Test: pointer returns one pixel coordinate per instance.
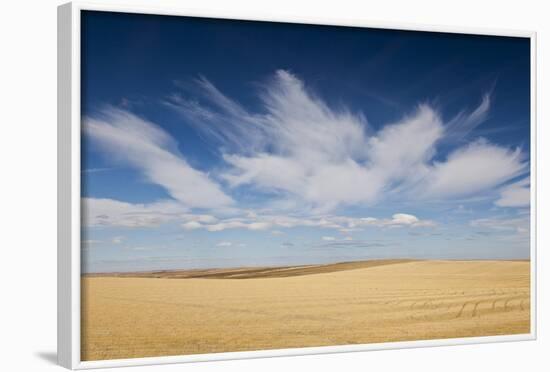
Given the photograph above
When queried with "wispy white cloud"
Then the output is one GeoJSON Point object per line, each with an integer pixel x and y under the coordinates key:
{"type": "Point", "coordinates": [109, 212]}
{"type": "Point", "coordinates": [328, 238]}
{"type": "Point", "coordinates": [192, 225]}
{"type": "Point", "coordinates": [516, 194]}
{"type": "Point", "coordinates": [224, 244]}
{"type": "Point", "coordinates": [465, 122]}
{"type": "Point", "coordinates": [476, 167]}
{"type": "Point", "coordinates": [342, 223]}
{"type": "Point", "coordinates": [407, 220]}
{"type": "Point", "coordinates": [143, 145]}
{"type": "Point", "coordinates": [197, 221]}
{"type": "Point", "coordinates": [237, 223]}
{"type": "Point", "coordinates": [302, 149]}
{"type": "Point", "coordinates": [117, 239]}
{"type": "Point", "coordinates": [517, 224]}
{"type": "Point", "coordinates": [114, 213]}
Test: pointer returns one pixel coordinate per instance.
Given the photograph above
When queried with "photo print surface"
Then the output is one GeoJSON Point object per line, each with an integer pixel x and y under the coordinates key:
{"type": "Point", "coordinates": [258, 185]}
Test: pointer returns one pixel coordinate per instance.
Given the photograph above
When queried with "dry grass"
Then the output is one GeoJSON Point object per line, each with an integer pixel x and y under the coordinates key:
{"type": "Point", "coordinates": [262, 308]}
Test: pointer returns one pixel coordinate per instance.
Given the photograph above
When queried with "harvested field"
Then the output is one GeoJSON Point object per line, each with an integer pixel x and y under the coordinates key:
{"type": "Point", "coordinates": [209, 311]}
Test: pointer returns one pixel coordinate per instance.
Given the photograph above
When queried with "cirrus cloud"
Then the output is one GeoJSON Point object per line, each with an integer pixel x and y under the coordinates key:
{"type": "Point", "coordinates": [516, 194]}
{"type": "Point", "coordinates": [300, 148]}
{"type": "Point", "coordinates": [146, 147]}
{"type": "Point", "coordinates": [109, 212]}
{"type": "Point", "coordinates": [99, 212]}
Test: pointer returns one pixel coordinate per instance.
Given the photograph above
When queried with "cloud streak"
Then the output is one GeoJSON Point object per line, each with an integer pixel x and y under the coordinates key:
{"type": "Point", "coordinates": [113, 213]}
{"type": "Point", "coordinates": [465, 122]}
{"type": "Point", "coordinates": [99, 212]}
{"type": "Point", "coordinates": [474, 168]}
{"type": "Point", "coordinates": [518, 224]}
{"type": "Point", "coordinates": [300, 148]}
{"type": "Point", "coordinates": [516, 194]}
{"type": "Point", "coordinates": [133, 141]}
{"type": "Point", "coordinates": [341, 223]}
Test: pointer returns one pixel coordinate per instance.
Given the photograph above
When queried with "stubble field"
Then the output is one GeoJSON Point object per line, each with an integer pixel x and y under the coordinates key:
{"type": "Point", "coordinates": [211, 311]}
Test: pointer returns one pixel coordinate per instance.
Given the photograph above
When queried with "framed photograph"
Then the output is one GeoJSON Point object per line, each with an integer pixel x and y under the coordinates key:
{"type": "Point", "coordinates": [240, 186]}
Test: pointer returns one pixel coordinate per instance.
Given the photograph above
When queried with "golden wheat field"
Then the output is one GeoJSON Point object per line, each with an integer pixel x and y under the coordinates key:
{"type": "Point", "coordinates": [210, 311]}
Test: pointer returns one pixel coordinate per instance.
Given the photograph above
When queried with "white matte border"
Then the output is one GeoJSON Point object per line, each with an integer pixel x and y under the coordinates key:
{"type": "Point", "coordinates": [69, 186]}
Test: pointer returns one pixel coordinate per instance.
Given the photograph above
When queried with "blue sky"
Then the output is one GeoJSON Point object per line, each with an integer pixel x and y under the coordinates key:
{"type": "Point", "coordinates": [217, 143]}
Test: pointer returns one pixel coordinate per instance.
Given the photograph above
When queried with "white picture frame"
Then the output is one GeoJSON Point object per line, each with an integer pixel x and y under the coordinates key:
{"type": "Point", "coordinates": [69, 192]}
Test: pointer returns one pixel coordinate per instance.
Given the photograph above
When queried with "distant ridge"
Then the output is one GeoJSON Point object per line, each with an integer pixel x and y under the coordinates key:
{"type": "Point", "coordinates": [253, 272]}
